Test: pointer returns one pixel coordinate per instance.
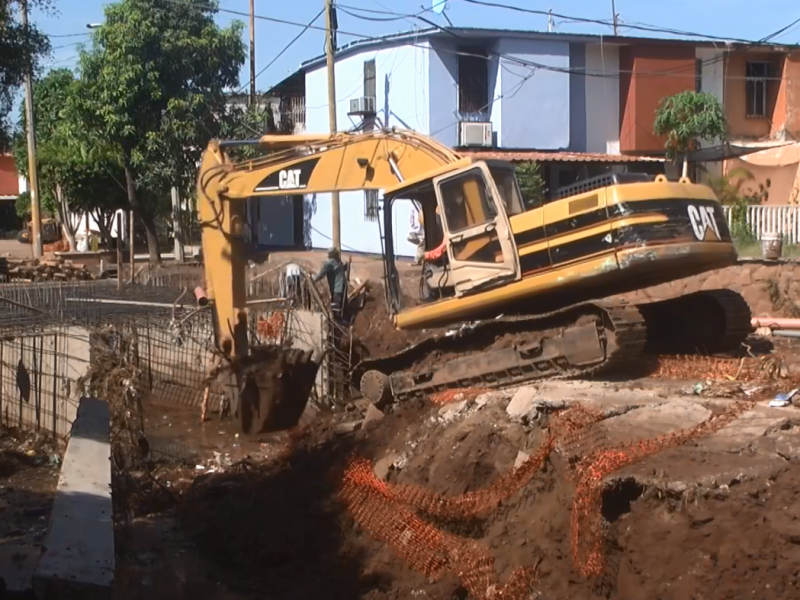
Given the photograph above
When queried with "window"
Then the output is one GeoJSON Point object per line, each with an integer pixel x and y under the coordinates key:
{"type": "Point", "coordinates": [508, 187]}
{"type": "Point", "coordinates": [370, 89]}
{"type": "Point", "coordinates": [756, 86]}
{"type": "Point", "coordinates": [473, 80]}
{"type": "Point", "coordinates": [371, 205]}
{"type": "Point", "coordinates": [698, 75]}
{"type": "Point", "coordinates": [466, 201]}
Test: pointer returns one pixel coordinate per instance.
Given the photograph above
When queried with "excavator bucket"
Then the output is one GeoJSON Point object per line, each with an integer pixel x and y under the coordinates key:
{"type": "Point", "coordinates": [275, 386]}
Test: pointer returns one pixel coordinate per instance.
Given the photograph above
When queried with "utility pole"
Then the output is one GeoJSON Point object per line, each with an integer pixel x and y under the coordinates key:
{"type": "Point", "coordinates": [614, 16]}
{"type": "Point", "coordinates": [330, 48]}
{"type": "Point", "coordinates": [252, 52]}
{"type": "Point", "coordinates": [33, 177]}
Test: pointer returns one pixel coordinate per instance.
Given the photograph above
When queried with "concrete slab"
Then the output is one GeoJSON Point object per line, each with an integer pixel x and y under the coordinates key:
{"type": "Point", "coordinates": [683, 469]}
{"type": "Point", "coordinates": [652, 421]}
{"type": "Point", "coordinates": [612, 398]}
{"type": "Point", "coordinates": [759, 422]}
{"type": "Point", "coordinates": [79, 557]}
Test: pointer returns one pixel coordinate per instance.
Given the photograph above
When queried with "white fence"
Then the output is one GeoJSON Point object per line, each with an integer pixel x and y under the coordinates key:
{"type": "Point", "coordinates": [772, 219]}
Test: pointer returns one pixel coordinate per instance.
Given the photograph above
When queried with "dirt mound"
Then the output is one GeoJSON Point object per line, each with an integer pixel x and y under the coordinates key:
{"type": "Point", "coordinates": [286, 527]}
{"type": "Point", "coordinates": [373, 330]}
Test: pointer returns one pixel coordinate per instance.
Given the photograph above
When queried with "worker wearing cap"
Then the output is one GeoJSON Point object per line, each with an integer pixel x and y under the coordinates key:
{"type": "Point", "coordinates": [334, 270]}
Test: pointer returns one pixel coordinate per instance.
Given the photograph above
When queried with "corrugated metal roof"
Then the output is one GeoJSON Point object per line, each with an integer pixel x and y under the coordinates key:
{"type": "Point", "coordinates": [528, 156]}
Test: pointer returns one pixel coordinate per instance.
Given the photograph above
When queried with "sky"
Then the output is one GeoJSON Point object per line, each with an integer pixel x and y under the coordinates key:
{"type": "Point", "coordinates": [729, 19]}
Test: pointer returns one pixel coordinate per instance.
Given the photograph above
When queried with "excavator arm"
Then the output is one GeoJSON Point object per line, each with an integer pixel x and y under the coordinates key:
{"type": "Point", "coordinates": [272, 384]}
{"type": "Point", "coordinates": [302, 164]}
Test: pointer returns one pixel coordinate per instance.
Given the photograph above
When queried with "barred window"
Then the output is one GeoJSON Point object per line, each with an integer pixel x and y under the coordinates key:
{"type": "Point", "coordinates": [371, 205]}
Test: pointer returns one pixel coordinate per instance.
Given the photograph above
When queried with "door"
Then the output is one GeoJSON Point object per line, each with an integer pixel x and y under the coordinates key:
{"type": "Point", "coordinates": [480, 248]}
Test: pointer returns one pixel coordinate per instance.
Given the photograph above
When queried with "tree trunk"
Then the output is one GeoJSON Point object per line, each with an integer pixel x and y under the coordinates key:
{"type": "Point", "coordinates": [65, 217]}
{"type": "Point", "coordinates": [138, 209]}
{"type": "Point", "coordinates": [104, 224]}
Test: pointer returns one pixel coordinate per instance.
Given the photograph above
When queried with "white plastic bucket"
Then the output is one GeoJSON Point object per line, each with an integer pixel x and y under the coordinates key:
{"type": "Point", "coordinates": [771, 245]}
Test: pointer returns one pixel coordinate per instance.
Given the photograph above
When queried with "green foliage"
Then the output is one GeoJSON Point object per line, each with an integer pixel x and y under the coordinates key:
{"type": "Point", "coordinates": [153, 85]}
{"type": "Point", "coordinates": [729, 190]}
{"type": "Point", "coordinates": [531, 183]}
{"type": "Point", "coordinates": [687, 119]}
{"type": "Point", "coordinates": [23, 206]}
{"type": "Point", "coordinates": [18, 48]}
{"type": "Point", "coordinates": [70, 179]}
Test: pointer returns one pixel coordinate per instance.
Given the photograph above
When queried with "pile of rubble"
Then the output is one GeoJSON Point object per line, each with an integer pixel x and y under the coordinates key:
{"type": "Point", "coordinates": [46, 269]}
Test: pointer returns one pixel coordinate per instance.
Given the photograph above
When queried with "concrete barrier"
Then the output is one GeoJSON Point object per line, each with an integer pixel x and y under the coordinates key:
{"type": "Point", "coordinates": [78, 561]}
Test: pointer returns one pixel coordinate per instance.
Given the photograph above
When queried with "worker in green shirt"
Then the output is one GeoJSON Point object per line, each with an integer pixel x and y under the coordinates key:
{"type": "Point", "coordinates": [334, 270]}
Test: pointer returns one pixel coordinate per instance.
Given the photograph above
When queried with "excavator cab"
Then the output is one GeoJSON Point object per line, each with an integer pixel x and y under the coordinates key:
{"type": "Point", "coordinates": [473, 205]}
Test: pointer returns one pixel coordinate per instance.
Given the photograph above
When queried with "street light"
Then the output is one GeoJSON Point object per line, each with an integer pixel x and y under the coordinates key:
{"type": "Point", "coordinates": [93, 25]}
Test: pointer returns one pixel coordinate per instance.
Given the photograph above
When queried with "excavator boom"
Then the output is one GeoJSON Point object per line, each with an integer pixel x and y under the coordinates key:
{"type": "Point", "coordinates": [304, 164]}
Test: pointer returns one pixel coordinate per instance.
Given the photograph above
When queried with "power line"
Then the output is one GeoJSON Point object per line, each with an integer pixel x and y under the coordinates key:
{"type": "Point", "coordinates": [605, 22]}
{"type": "Point", "coordinates": [66, 46]}
{"type": "Point", "coordinates": [450, 31]}
{"type": "Point", "coordinates": [263, 18]}
{"type": "Point", "coordinates": [780, 31]}
{"type": "Point", "coordinates": [396, 16]}
{"type": "Point", "coordinates": [285, 48]}
{"type": "Point", "coordinates": [66, 35]}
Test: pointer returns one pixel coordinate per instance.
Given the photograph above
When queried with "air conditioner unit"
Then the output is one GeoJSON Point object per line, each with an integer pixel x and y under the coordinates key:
{"type": "Point", "coordinates": [364, 106]}
{"type": "Point", "coordinates": [474, 134]}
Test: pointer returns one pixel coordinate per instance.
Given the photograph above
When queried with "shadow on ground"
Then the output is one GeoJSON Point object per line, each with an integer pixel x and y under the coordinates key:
{"type": "Point", "coordinates": [278, 529]}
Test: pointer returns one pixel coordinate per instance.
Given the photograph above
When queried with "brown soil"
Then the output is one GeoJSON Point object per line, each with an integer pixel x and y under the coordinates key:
{"type": "Point", "coordinates": [374, 331]}
{"type": "Point", "coordinates": [29, 467]}
{"type": "Point", "coordinates": [279, 530]}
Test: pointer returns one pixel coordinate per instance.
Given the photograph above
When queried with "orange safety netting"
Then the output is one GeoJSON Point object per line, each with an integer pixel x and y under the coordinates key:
{"type": "Point", "coordinates": [708, 367]}
{"type": "Point", "coordinates": [422, 546]}
{"type": "Point", "coordinates": [456, 395]}
{"type": "Point", "coordinates": [386, 510]}
{"type": "Point", "coordinates": [271, 328]}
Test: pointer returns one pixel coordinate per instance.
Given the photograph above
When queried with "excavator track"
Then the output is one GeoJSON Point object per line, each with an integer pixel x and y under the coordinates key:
{"type": "Point", "coordinates": [581, 340]}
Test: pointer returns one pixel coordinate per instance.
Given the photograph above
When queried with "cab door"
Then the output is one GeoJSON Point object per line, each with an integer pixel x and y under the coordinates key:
{"type": "Point", "coordinates": [481, 252]}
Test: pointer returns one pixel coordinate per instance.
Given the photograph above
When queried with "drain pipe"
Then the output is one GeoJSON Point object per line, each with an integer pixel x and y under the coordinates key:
{"type": "Point", "coordinates": [776, 323]}
{"type": "Point", "coordinates": [786, 333]}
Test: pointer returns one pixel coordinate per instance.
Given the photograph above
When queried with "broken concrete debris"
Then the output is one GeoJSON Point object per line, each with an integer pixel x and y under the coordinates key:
{"type": "Point", "coordinates": [372, 417]}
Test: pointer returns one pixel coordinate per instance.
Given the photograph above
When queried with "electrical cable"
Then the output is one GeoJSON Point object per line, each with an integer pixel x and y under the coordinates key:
{"type": "Point", "coordinates": [66, 35]}
{"type": "Point", "coordinates": [264, 18]}
{"type": "Point", "coordinates": [607, 23]}
{"type": "Point", "coordinates": [285, 48]}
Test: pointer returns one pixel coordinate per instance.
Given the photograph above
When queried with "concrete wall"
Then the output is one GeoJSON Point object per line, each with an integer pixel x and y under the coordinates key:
{"type": "Point", "coordinates": [443, 91]}
{"type": "Point", "coordinates": [578, 117]}
{"type": "Point", "coordinates": [402, 73]}
{"type": "Point", "coordinates": [751, 278]}
{"type": "Point", "coordinates": [602, 98]}
{"type": "Point", "coordinates": [642, 90]}
{"type": "Point", "coordinates": [38, 374]}
{"type": "Point", "coordinates": [712, 78]}
{"type": "Point", "coordinates": [536, 101]}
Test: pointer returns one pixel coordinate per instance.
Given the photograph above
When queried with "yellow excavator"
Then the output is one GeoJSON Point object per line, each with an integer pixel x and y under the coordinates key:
{"type": "Point", "coordinates": [522, 291]}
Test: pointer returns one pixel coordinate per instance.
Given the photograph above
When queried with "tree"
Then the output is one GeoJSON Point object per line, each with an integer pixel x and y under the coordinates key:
{"type": "Point", "coordinates": [531, 183]}
{"type": "Point", "coordinates": [687, 119]}
{"type": "Point", "coordinates": [19, 47]}
{"type": "Point", "coordinates": [730, 192]}
{"type": "Point", "coordinates": [71, 180]}
{"type": "Point", "coordinates": [153, 83]}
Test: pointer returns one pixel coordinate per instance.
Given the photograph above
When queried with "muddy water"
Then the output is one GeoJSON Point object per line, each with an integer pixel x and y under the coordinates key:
{"type": "Point", "coordinates": [174, 432]}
